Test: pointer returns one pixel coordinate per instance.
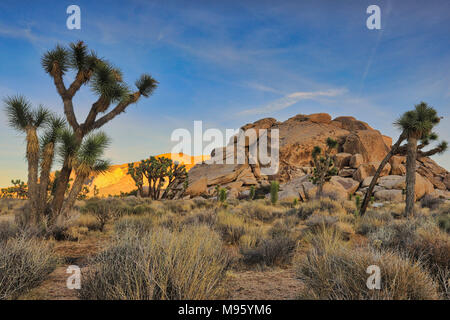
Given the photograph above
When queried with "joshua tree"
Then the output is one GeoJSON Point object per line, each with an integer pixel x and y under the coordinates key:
{"type": "Point", "coordinates": [105, 81]}
{"type": "Point", "coordinates": [22, 118]}
{"type": "Point", "coordinates": [137, 174]}
{"type": "Point", "coordinates": [323, 165]}
{"type": "Point", "coordinates": [158, 171]}
{"type": "Point", "coordinates": [416, 125]}
{"type": "Point", "coordinates": [87, 160]}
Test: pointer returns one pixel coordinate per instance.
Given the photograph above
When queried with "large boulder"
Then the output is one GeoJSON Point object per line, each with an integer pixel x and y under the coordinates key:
{"type": "Point", "coordinates": [368, 143]}
{"type": "Point", "coordinates": [447, 181]}
{"type": "Point", "coordinates": [346, 172]}
{"type": "Point", "coordinates": [422, 187]}
{"type": "Point", "coordinates": [351, 124]}
{"type": "Point", "coordinates": [389, 195]}
{"type": "Point", "coordinates": [369, 169]}
{"type": "Point", "coordinates": [397, 165]}
{"type": "Point", "coordinates": [342, 160]}
{"type": "Point", "coordinates": [349, 185]}
{"type": "Point", "coordinates": [335, 189]}
{"type": "Point", "coordinates": [392, 182]}
{"type": "Point", "coordinates": [197, 187]}
{"type": "Point", "coordinates": [356, 160]}
{"type": "Point", "coordinates": [429, 169]}
{"type": "Point", "coordinates": [366, 182]}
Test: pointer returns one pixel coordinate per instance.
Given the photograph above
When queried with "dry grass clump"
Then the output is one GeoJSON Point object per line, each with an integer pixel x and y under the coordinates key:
{"type": "Point", "coordinates": [422, 240]}
{"type": "Point", "coordinates": [207, 217]}
{"type": "Point", "coordinates": [372, 220]}
{"type": "Point", "coordinates": [444, 222]}
{"type": "Point", "coordinates": [326, 205]}
{"type": "Point", "coordinates": [159, 265]}
{"type": "Point", "coordinates": [260, 210]}
{"type": "Point", "coordinates": [270, 252]}
{"type": "Point", "coordinates": [7, 230]}
{"type": "Point", "coordinates": [138, 225]}
{"type": "Point", "coordinates": [332, 270]}
{"type": "Point", "coordinates": [231, 226]}
{"type": "Point", "coordinates": [24, 263]}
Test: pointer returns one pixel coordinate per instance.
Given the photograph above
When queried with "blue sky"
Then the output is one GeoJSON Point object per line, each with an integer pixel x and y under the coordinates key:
{"type": "Point", "coordinates": [234, 62]}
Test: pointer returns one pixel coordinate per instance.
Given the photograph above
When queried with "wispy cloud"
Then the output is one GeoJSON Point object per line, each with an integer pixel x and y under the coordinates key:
{"type": "Point", "coordinates": [291, 99]}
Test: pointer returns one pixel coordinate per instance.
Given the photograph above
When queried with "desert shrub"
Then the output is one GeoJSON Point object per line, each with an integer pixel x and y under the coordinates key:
{"type": "Point", "coordinates": [203, 217]}
{"type": "Point", "coordinates": [159, 265]}
{"type": "Point", "coordinates": [324, 204]}
{"type": "Point", "coordinates": [88, 221]}
{"type": "Point", "coordinates": [7, 230]}
{"type": "Point", "coordinates": [259, 210]}
{"type": "Point", "coordinates": [24, 263]}
{"type": "Point", "coordinates": [422, 240]}
{"type": "Point", "coordinates": [320, 221]}
{"type": "Point", "coordinates": [179, 206]}
{"type": "Point", "coordinates": [444, 222]}
{"type": "Point", "coordinates": [373, 220]}
{"type": "Point", "coordinates": [280, 229]}
{"type": "Point", "coordinates": [252, 238]}
{"type": "Point", "coordinates": [104, 210]}
{"type": "Point", "coordinates": [332, 270]}
{"type": "Point", "coordinates": [139, 225]}
{"type": "Point", "coordinates": [431, 202]}
{"type": "Point", "coordinates": [397, 235]}
{"type": "Point", "coordinates": [270, 252]}
{"type": "Point", "coordinates": [230, 226]}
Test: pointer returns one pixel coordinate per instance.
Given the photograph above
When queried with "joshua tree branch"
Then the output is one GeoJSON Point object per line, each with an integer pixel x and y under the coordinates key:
{"type": "Point", "coordinates": [421, 154]}
{"type": "Point", "coordinates": [101, 104]}
{"type": "Point", "coordinates": [114, 112]}
{"type": "Point", "coordinates": [65, 96]}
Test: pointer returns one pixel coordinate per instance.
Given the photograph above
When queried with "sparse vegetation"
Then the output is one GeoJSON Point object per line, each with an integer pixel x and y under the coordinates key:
{"type": "Point", "coordinates": [24, 263]}
{"type": "Point", "coordinates": [161, 264]}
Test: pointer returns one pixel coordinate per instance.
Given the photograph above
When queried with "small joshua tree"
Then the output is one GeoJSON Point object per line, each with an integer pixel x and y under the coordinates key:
{"type": "Point", "coordinates": [158, 172]}
{"type": "Point", "coordinates": [324, 167]}
{"type": "Point", "coordinates": [274, 188]}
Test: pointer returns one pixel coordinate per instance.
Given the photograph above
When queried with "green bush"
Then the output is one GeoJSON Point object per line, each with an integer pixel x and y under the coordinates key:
{"type": "Point", "coordinates": [274, 188]}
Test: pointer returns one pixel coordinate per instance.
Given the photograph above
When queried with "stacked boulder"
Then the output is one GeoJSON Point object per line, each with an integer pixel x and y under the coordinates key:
{"type": "Point", "coordinates": [360, 151]}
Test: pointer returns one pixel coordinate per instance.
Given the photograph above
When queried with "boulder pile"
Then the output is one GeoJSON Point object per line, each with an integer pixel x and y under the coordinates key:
{"type": "Point", "coordinates": [360, 151]}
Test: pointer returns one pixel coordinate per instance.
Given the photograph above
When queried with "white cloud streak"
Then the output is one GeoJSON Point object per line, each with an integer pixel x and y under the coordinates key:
{"type": "Point", "coordinates": [291, 99]}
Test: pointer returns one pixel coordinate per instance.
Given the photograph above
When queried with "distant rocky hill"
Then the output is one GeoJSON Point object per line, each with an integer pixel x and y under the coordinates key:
{"type": "Point", "coordinates": [116, 179]}
{"type": "Point", "coordinates": [360, 150]}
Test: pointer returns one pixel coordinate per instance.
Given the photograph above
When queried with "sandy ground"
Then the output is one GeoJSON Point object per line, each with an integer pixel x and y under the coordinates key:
{"type": "Point", "coordinates": [278, 284]}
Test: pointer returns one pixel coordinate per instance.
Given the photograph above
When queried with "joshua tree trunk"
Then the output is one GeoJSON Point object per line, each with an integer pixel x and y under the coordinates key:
{"type": "Point", "coordinates": [74, 192]}
{"type": "Point", "coordinates": [383, 163]}
{"type": "Point", "coordinates": [411, 156]}
{"type": "Point", "coordinates": [63, 180]}
{"type": "Point", "coordinates": [33, 163]}
{"type": "Point", "coordinates": [46, 165]}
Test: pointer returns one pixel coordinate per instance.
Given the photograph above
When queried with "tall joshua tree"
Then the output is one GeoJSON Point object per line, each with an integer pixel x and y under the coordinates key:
{"type": "Point", "coordinates": [105, 81]}
{"type": "Point", "coordinates": [26, 120]}
{"type": "Point", "coordinates": [87, 161]}
{"type": "Point", "coordinates": [416, 125]}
